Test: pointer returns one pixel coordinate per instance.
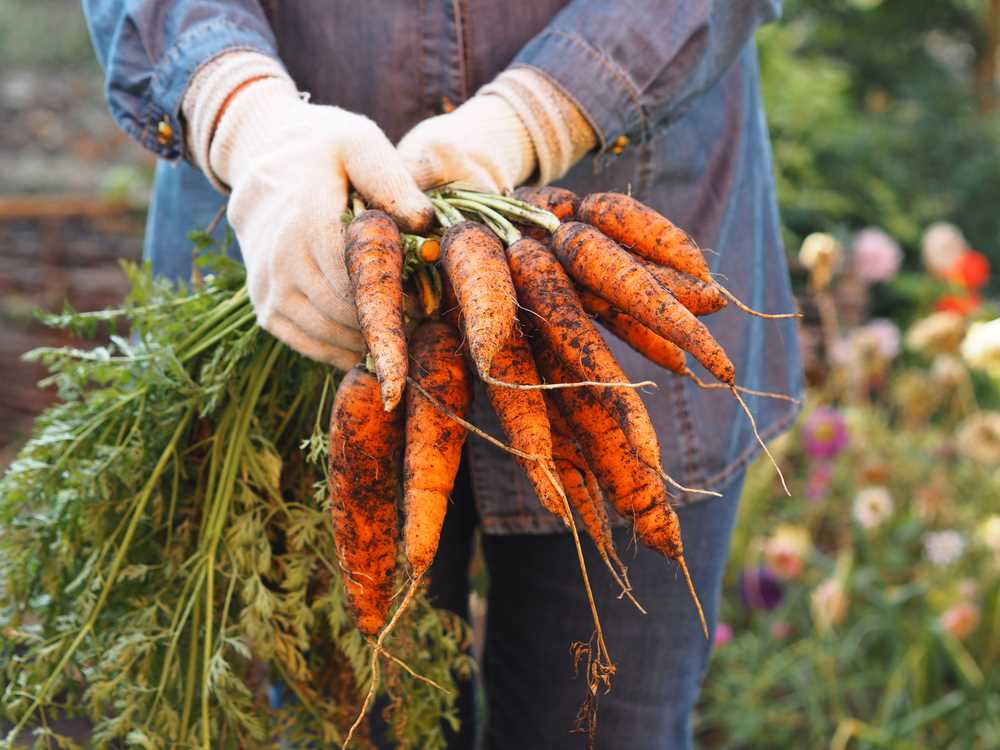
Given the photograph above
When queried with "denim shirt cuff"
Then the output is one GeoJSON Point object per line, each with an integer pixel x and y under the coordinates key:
{"type": "Point", "coordinates": [159, 126]}
{"type": "Point", "coordinates": [602, 89]}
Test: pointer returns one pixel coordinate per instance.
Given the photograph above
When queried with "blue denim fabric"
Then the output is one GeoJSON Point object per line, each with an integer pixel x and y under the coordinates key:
{"type": "Point", "coordinates": [670, 86]}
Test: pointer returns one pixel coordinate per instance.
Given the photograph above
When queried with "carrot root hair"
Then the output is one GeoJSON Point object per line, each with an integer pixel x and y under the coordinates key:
{"type": "Point", "coordinates": [756, 434]}
{"type": "Point", "coordinates": [692, 490]}
{"type": "Point", "coordinates": [749, 391]}
{"type": "Point", "coordinates": [576, 384]}
{"type": "Point", "coordinates": [694, 594]}
{"type": "Point", "coordinates": [749, 310]}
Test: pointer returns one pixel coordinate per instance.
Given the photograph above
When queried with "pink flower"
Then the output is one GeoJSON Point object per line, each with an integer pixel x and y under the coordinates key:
{"type": "Point", "coordinates": [882, 336]}
{"type": "Point", "coordinates": [785, 551]}
{"type": "Point", "coordinates": [723, 634]}
{"type": "Point", "coordinates": [877, 256]}
{"type": "Point", "coordinates": [818, 481]}
{"type": "Point", "coordinates": [941, 246]}
{"type": "Point", "coordinates": [824, 432]}
{"type": "Point", "coordinates": [961, 620]}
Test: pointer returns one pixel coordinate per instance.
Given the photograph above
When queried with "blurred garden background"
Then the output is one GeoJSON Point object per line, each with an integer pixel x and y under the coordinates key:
{"type": "Point", "coordinates": [864, 612]}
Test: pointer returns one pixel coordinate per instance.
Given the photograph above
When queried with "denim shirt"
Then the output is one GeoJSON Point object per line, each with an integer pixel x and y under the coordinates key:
{"type": "Point", "coordinates": [670, 87]}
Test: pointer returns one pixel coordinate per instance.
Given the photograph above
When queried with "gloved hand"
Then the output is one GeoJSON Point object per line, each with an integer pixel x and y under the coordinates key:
{"type": "Point", "coordinates": [289, 164]}
{"type": "Point", "coordinates": [519, 125]}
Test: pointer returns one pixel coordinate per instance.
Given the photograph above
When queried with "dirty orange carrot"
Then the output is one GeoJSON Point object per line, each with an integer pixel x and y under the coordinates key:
{"type": "Point", "coordinates": [645, 232]}
{"type": "Point", "coordinates": [554, 311]}
{"type": "Point", "coordinates": [603, 266]}
{"type": "Point", "coordinates": [473, 259]}
{"type": "Point", "coordinates": [433, 440]}
{"type": "Point", "coordinates": [523, 417]}
{"type": "Point", "coordinates": [559, 201]}
{"type": "Point", "coordinates": [696, 295]}
{"type": "Point", "coordinates": [634, 489]}
{"type": "Point", "coordinates": [374, 259]}
{"type": "Point", "coordinates": [366, 444]}
{"type": "Point", "coordinates": [652, 346]}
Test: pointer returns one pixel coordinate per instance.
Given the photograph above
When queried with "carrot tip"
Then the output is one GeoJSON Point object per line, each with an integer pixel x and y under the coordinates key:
{"type": "Point", "coordinates": [694, 594]}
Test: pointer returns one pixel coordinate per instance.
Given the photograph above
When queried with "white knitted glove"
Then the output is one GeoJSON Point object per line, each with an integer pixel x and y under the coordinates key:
{"type": "Point", "coordinates": [518, 125]}
{"type": "Point", "coordinates": [289, 165]}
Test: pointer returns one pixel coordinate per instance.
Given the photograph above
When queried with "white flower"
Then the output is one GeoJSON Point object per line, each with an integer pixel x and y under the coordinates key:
{"type": "Point", "coordinates": [941, 246]}
{"type": "Point", "coordinates": [819, 249]}
{"type": "Point", "coordinates": [872, 506]}
{"type": "Point", "coordinates": [981, 346]}
{"type": "Point", "coordinates": [978, 437]}
{"type": "Point", "coordinates": [786, 550]}
{"type": "Point", "coordinates": [938, 332]}
{"type": "Point", "coordinates": [948, 371]}
{"type": "Point", "coordinates": [943, 547]}
{"type": "Point", "coordinates": [828, 603]}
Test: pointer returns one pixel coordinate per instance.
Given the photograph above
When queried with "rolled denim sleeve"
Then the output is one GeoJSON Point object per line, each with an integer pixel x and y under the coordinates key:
{"type": "Point", "coordinates": [636, 65]}
{"type": "Point", "coordinates": [150, 49]}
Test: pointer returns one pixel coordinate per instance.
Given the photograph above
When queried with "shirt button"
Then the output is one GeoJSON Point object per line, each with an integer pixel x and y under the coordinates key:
{"type": "Point", "coordinates": [164, 132]}
{"type": "Point", "coordinates": [620, 143]}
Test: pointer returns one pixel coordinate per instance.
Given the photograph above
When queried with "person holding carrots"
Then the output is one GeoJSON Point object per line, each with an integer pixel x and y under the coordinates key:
{"type": "Point", "coordinates": [276, 110]}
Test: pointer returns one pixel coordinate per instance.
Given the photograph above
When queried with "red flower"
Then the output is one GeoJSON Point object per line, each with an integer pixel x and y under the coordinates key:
{"type": "Point", "coordinates": [961, 304]}
{"type": "Point", "coordinates": [972, 270]}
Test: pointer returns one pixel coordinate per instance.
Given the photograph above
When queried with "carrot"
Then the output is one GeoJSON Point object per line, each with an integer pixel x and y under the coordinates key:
{"type": "Point", "coordinates": [602, 265]}
{"type": "Point", "coordinates": [556, 314]}
{"type": "Point", "coordinates": [433, 441]}
{"type": "Point", "coordinates": [634, 489]}
{"type": "Point", "coordinates": [559, 201]}
{"type": "Point", "coordinates": [652, 346]}
{"type": "Point", "coordinates": [697, 296]}
{"type": "Point", "coordinates": [473, 259]}
{"type": "Point", "coordinates": [523, 417]}
{"type": "Point", "coordinates": [645, 232]}
{"type": "Point", "coordinates": [374, 258]}
{"type": "Point", "coordinates": [366, 444]}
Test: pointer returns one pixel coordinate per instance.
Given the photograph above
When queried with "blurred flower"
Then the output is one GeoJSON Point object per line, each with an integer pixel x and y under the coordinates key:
{"type": "Point", "coordinates": [972, 270]}
{"type": "Point", "coordinates": [961, 620]}
{"type": "Point", "coordinates": [978, 437]}
{"type": "Point", "coordinates": [989, 532]}
{"type": "Point", "coordinates": [880, 336]}
{"type": "Point", "coordinates": [877, 256]}
{"type": "Point", "coordinates": [943, 547]}
{"type": "Point", "coordinates": [780, 630]}
{"type": "Point", "coordinates": [819, 249]}
{"type": "Point", "coordinates": [941, 246]}
{"type": "Point", "coordinates": [785, 551]}
{"type": "Point", "coordinates": [940, 332]}
{"type": "Point", "coordinates": [981, 346]}
{"type": "Point", "coordinates": [828, 603]}
{"type": "Point", "coordinates": [818, 480]}
{"type": "Point", "coordinates": [948, 371]}
{"type": "Point", "coordinates": [760, 589]}
{"type": "Point", "coordinates": [960, 304]}
{"type": "Point", "coordinates": [872, 507]}
{"type": "Point", "coordinates": [723, 634]}
{"type": "Point", "coordinates": [824, 433]}
{"type": "Point", "coordinates": [933, 498]}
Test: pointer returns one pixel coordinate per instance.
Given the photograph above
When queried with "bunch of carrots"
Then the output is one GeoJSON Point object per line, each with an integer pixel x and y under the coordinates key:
{"type": "Point", "coordinates": [509, 293]}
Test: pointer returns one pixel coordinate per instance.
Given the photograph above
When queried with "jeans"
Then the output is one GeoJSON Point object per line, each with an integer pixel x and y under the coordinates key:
{"type": "Point", "coordinates": [537, 607]}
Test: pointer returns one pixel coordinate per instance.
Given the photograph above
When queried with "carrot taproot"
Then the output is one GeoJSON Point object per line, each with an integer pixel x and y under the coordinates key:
{"type": "Point", "coordinates": [366, 445]}
{"type": "Point", "coordinates": [697, 296]}
{"type": "Point", "coordinates": [473, 259]}
{"type": "Point", "coordinates": [603, 266]}
{"type": "Point", "coordinates": [559, 201]}
{"type": "Point", "coordinates": [644, 231]}
{"type": "Point", "coordinates": [523, 417]}
{"type": "Point", "coordinates": [544, 289]}
{"type": "Point", "coordinates": [433, 440]}
{"type": "Point", "coordinates": [374, 259]}
{"type": "Point", "coordinates": [651, 345]}
{"type": "Point", "coordinates": [632, 488]}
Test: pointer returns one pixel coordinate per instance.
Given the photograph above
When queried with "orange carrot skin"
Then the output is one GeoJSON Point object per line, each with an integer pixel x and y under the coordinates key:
{"type": "Point", "coordinates": [697, 296]}
{"type": "Point", "coordinates": [632, 487]}
{"type": "Point", "coordinates": [523, 418]}
{"type": "Point", "coordinates": [473, 259]}
{"type": "Point", "coordinates": [374, 259]}
{"type": "Point", "coordinates": [580, 485]}
{"type": "Point", "coordinates": [433, 440]}
{"type": "Point", "coordinates": [544, 289]}
{"type": "Point", "coordinates": [644, 231]}
{"type": "Point", "coordinates": [366, 444]}
{"type": "Point", "coordinates": [560, 201]}
{"type": "Point", "coordinates": [653, 347]}
{"type": "Point", "coordinates": [602, 265]}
